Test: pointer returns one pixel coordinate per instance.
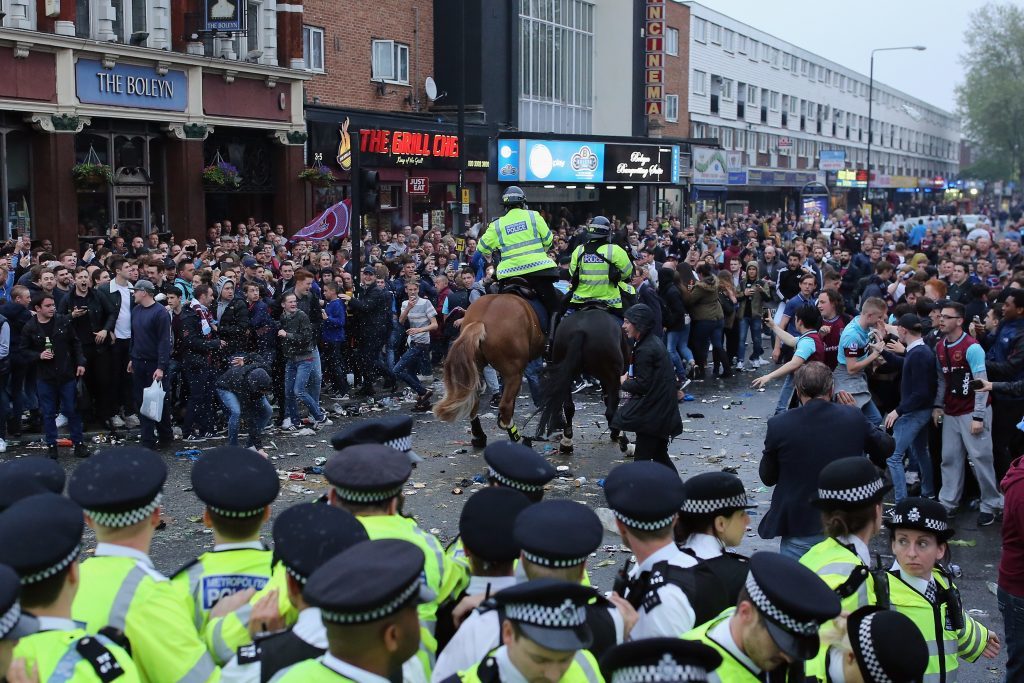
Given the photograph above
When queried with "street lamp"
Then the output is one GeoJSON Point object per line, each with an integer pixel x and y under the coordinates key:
{"type": "Point", "coordinates": [871, 101]}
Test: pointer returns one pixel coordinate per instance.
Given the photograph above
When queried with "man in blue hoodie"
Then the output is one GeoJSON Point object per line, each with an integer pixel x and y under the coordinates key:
{"type": "Point", "coordinates": [1004, 362]}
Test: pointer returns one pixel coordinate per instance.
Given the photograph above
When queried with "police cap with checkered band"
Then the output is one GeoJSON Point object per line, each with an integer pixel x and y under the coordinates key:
{"type": "Point", "coordinates": [517, 466]}
{"type": "Point", "coordinates": [849, 483]}
{"type": "Point", "coordinates": [367, 473]}
{"type": "Point", "coordinates": [119, 487]}
{"type": "Point", "coordinates": [309, 534]}
{"type": "Point", "coordinates": [394, 431]}
{"type": "Point", "coordinates": [714, 493]}
{"type": "Point", "coordinates": [921, 514]}
{"type": "Point", "coordinates": [793, 602]}
{"type": "Point", "coordinates": [887, 645]}
{"type": "Point", "coordinates": [558, 533]}
{"type": "Point", "coordinates": [487, 522]}
{"type": "Point", "coordinates": [234, 481]}
{"type": "Point", "coordinates": [368, 582]}
{"type": "Point", "coordinates": [14, 623]}
{"type": "Point", "coordinates": [40, 536]}
{"type": "Point", "coordinates": [644, 495]}
{"type": "Point", "coordinates": [549, 612]}
{"type": "Point", "coordinates": [660, 660]}
{"type": "Point", "coordinates": [28, 476]}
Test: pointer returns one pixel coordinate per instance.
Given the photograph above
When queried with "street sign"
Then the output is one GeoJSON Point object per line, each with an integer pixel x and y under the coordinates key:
{"type": "Point", "coordinates": [417, 185]}
{"type": "Point", "coordinates": [465, 196]}
{"type": "Point", "coordinates": [460, 244]}
{"type": "Point", "coordinates": [465, 209]}
{"type": "Point", "coordinates": [785, 143]}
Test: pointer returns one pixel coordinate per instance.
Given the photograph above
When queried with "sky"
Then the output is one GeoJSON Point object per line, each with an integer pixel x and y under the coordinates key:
{"type": "Point", "coordinates": [846, 32]}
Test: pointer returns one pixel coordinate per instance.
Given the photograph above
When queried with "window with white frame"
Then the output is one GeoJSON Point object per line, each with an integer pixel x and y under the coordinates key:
{"type": "Point", "coordinates": [803, 67]}
{"type": "Point", "coordinates": [792, 104]}
{"type": "Point", "coordinates": [762, 142]}
{"type": "Point", "coordinates": [130, 17]}
{"type": "Point", "coordinates": [729, 41]}
{"type": "Point", "coordinates": [700, 30]}
{"type": "Point", "coordinates": [313, 48]}
{"type": "Point", "coordinates": [741, 139]}
{"type": "Point", "coordinates": [774, 102]}
{"type": "Point", "coordinates": [671, 41]}
{"type": "Point", "coordinates": [727, 138]}
{"type": "Point", "coordinates": [754, 46]}
{"type": "Point", "coordinates": [741, 46]}
{"type": "Point", "coordinates": [726, 88]}
{"type": "Point", "coordinates": [716, 34]}
{"type": "Point", "coordinates": [752, 95]}
{"type": "Point", "coordinates": [671, 107]}
{"type": "Point", "coordinates": [390, 62]}
{"type": "Point", "coordinates": [775, 57]}
{"type": "Point", "coordinates": [699, 85]}
{"type": "Point", "coordinates": [766, 52]}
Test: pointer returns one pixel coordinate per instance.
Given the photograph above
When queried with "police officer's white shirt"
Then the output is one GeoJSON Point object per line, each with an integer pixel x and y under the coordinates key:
{"type": "Point", "coordinates": [704, 546]}
{"type": "Point", "coordinates": [489, 585]}
{"type": "Point", "coordinates": [142, 560]}
{"type": "Point", "coordinates": [244, 545]}
{"type": "Point", "coordinates": [723, 636]}
{"type": "Point", "coordinates": [351, 672]}
{"type": "Point", "coordinates": [506, 669]}
{"type": "Point", "coordinates": [673, 615]}
{"type": "Point", "coordinates": [859, 546]}
{"type": "Point", "coordinates": [915, 582]}
{"type": "Point", "coordinates": [58, 624]}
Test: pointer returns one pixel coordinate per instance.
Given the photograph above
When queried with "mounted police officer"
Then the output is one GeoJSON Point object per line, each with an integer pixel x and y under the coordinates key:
{"type": "Point", "coordinates": [599, 270]}
{"type": "Point", "coordinates": [523, 238]}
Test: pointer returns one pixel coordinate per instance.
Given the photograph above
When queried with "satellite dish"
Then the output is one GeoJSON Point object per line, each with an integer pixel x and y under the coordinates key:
{"type": "Point", "coordinates": [431, 88]}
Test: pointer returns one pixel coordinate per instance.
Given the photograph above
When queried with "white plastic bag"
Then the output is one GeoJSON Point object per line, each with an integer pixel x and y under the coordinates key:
{"type": "Point", "coordinates": [153, 401]}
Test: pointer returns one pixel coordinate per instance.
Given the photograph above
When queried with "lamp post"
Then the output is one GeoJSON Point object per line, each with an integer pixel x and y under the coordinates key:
{"type": "Point", "coordinates": [871, 102]}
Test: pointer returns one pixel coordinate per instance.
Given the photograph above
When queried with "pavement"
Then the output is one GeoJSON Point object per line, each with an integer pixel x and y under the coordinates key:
{"type": "Point", "coordinates": [724, 426]}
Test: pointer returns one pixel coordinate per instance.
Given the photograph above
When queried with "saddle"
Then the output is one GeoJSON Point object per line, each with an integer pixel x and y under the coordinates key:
{"type": "Point", "coordinates": [595, 305]}
{"type": "Point", "coordinates": [517, 286]}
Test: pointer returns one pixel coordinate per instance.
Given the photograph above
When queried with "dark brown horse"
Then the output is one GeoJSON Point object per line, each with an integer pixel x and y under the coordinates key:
{"type": "Point", "coordinates": [500, 330]}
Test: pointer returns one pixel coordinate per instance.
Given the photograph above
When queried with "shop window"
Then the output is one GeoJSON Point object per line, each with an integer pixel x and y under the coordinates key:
{"type": "Point", "coordinates": [14, 151]}
{"type": "Point", "coordinates": [313, 48]}
{"type": "Point", "coordinates": [390, 62]}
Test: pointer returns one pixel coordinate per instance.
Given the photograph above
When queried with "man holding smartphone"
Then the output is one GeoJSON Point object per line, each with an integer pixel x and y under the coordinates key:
{"type": "Point", "coordinates": [88, 316]}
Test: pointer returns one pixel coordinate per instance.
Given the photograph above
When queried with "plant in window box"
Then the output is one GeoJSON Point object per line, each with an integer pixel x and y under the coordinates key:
{"type": "Point", "coordinates": [89, 175]}
{"type": "Point", "coordinates": [222, 174]}
{"type": "Point", "coordinates": [317, 176]}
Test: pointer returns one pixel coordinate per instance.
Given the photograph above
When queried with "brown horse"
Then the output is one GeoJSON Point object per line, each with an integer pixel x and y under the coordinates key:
{"type": "Point", "coordinates": [500, 330]}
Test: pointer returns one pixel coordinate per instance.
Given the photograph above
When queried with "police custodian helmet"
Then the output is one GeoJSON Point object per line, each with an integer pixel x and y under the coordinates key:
{"type": "Point", "coordinates": [513, 196]}
{"type": "Point", "coordinates": [599, 227]}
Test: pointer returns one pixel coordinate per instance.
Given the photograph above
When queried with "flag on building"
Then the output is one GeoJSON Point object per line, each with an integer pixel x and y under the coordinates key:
{"type": "Point", "coordinates": [334, 222]}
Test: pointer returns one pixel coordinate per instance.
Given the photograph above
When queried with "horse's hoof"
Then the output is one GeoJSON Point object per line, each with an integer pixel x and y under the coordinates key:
{"type": "Point", "coordinates": [630, 450]}
{"type": "Point", "coordinates": [528, 442]}
{"type": "Point", "coordinates": [614, 436]}
{"type": "Point", "coordinates": [623, 443]}
{"type": "Point", "coordinates": [479, 442]}
{"type": "Point", "coordinates": [565, 450]}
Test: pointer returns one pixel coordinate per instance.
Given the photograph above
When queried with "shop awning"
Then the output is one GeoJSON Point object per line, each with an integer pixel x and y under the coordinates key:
{"type": "Point", "coordinates": [705, 190]}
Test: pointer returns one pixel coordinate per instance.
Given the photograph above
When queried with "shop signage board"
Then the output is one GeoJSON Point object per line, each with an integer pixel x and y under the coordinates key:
{"type": "Point", "coordinates": [766, 177]}
{"type": "Point", "coordinates": [130, 85]}
{"type": "Point", "coordinates": [225, 15]}
{"type": "Point", "coordinates": [852, 178]}
{"type": "Point", "coordinates": [417, 185]}
{"type": "Point", "coordinates": [710, 166]}
{"type": "Point", "coordinates": [785, 142]}
{"type": "Point", "coordinates": [831, 160]}
{"type": "Point", "coordinates": [583, 161]}
{"type": "Point", "coordinates": [654, 82]}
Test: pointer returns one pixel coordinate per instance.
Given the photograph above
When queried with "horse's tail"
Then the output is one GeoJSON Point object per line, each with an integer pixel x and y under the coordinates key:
{"type": "Point", "coordinates": [461, 375]}
{"type": "Point", "coordinates": [558, 381]}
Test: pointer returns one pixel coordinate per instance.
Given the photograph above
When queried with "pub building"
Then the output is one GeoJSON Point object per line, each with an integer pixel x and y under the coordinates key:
{"type": "Point", "coordinates": [417, 161]}
{"type": "Point", "coordinates": [575, 177]}
{"type": "Point", "coordinates": [117, 129]}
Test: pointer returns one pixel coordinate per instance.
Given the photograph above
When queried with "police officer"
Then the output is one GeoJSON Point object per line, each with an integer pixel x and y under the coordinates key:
{"type": "Point", "coordinates": [659, 660]}
{"type": "Point", "coordinates": [368, 597]}
{"type": "Point", "coordinates": [28, 476]}
{"type": "Point", "coordinates": [523, 239]}
{"type": "Point", "coordinates": [14, 623]}
{"type": "Point", "coordinates": [599, 270]}
{"type": "Point", "coordinates": [850, 493]}
{"type": "Point", "coordinates": [545, 635]}
{"type": "Point", "coordinates": [40, 538]}
{"type": "Point", "coordinates": [645, 502]}
{"type": "Point", "coordinates": [367, 481]}
{"type": "Point", "coordinates": [120, 491]}
{"type": "Point", "coordinates": [775, 622]}
{"type": "Point", "coordinates": [305, 537]}
{"type": "Point", "coordinates": [394, 431]}
{"type": "Point", "coordinates": [556, 538]}
{"type": "Point", "coordinates": [486, 533]}
{"type": "Point", "coordinates": [237, 485]}
{"type": "Point", "coordinates": [874, 645]}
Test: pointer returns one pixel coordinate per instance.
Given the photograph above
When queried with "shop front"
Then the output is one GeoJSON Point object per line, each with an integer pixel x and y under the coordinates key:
{"type": "Point", "coordinates": [767, 190]}
{"type": "Point", "coordinates": [417, 162]}
{"type": "Point", "coordinates": [573, 179]}
{"type": "Point", "coordinates": [97, 137]}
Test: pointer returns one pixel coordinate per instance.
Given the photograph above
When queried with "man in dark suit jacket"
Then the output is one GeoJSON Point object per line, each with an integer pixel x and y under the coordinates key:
{"type": "Point", "coordinates": [799, 444]}
{"type": "Point", "coordinates": [647, 294]}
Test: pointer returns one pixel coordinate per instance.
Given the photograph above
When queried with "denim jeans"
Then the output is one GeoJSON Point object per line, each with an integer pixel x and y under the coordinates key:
{"type": "Point", "coordinates": [796, 546]}
{"type": "Point", "coordinates": [1012, 609]}
{"type": "Point", "coordinates": [911, 434]}
{"type": "Point", "coordinates": [705, 332]}
{"type": "Point", "coordinates": [408, 365]}
{"type": "Point", "coordinates": [336, 366]}
{"type": "Point", "coordinates": [49, 396]}
{"type": "Point", "coordinates": [785, 394]}
{"type": "Point", "coordinates": [199, 416]}
{"type": "Point", "coordinates": [297, 375]}
{"type": "Point", "coordinates": [678, 345]}
{"type": "Point", "coordinates": [751, 325]}
{"type": "Point", "coordinates": [256, 422]}
{"type": "Point", "coordinates": [532, 374]}
{"type": "Point", "coordinates": [870, 411]}
{"type": "Point", "coordinates": [316, 376]}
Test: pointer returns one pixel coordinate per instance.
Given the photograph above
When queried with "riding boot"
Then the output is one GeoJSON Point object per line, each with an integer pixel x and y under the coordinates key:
{"type": "Point", "coordinates": [555, 318]}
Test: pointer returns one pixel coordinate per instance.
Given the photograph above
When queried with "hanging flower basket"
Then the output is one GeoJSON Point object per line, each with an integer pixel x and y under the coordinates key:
{"type": "Point", "coordinates": [317, 176]}
{"type": "Point", "coordinates": [222, 174]}
{"type": "Point", "coordinates": [89, 175]}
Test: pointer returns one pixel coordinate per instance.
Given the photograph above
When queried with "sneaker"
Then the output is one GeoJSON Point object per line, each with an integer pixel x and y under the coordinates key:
{"type": "Point", "coordinates": [3, 446]}
{"type": "Point", "coordinates": [194, 438]}
{"type": "Point", "coordinates": [61, 421]}
{"type": "Point", "coordinates": [986, 519]}
{"type": "Point", "coordinates": [739, 367]}
{"type": "Point", "coordinates": [685, 382]}
{"type": "Point", "coordinates": [286, 424]}
{"type": "Point", "coordinates": [425, 378]}
{"type": "Point", "coordinates": [289, 428]}
{"type": "Point", "coordinates": [758, 362]}
{"type": "Point", "coordinates": [116, 422]}
{"type": "Point", "coordinates": [322, 422]}
{"type": "Point", "coordinates": [423, 402]}
{"type": "Point", "coordinates": [496, 400]}
{"type": "Point", "coordinates": [82, 451]}
{"type": "Point", "coordinates": [51, 452]}
{"type": "Point", "coordinates": [132, 421]}
{"type": "Point", "coordinates": [582, 384]}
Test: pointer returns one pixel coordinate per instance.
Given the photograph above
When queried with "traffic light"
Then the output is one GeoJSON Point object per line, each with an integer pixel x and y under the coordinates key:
{"type": "Point", "coordinates": [370, 188]}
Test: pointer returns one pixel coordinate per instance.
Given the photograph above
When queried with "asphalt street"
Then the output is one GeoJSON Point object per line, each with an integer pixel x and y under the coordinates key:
{"type": "Point", "coordinates": [723, 427]}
